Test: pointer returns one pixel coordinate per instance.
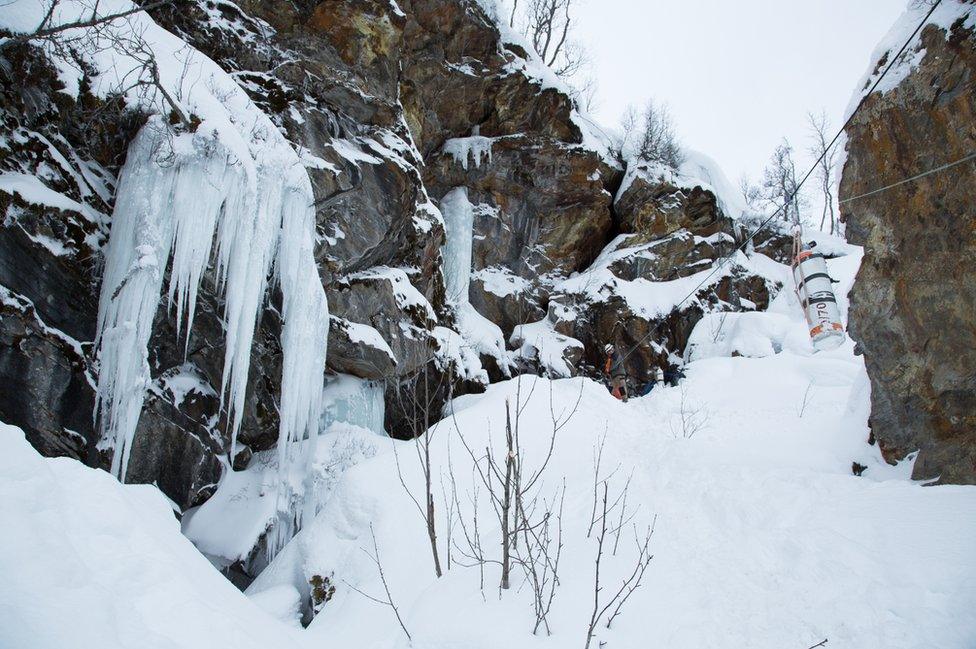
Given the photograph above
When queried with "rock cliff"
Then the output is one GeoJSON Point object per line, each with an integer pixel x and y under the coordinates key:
{"type": "Point", "coordinates": [392, 108]}
{"type": "Point", "coordinates": [913, 308]}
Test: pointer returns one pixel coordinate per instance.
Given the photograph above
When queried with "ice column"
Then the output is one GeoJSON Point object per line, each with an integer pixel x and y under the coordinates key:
{"type": "Point", "coordinates": [459, 231]}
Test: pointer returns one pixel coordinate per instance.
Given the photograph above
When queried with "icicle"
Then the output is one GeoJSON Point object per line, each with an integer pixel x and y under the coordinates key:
{"type": "Point", "coordinates": [476, 149]}
{"type": "Point", "coordinates": [150, 209]}
{"type": "Point", "coordinates": [261, 213]}
{"type": "Point", "coordinates": [248, 239]}
{"type": "Point", "coordinates": [459, 233]}
{"type": "Point", "coordinates": [304, 339]}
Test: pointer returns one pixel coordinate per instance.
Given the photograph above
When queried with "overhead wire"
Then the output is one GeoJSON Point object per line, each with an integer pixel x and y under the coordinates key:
{"type": "Point", "coordinates": [950, 165]}
{"type": "Point", "coordinates": [891, 63]}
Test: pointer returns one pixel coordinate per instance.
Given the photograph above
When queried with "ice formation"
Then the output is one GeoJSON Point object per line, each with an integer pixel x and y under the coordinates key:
{"type": "Point", "coordinates": [354, 401]}
{"type": "Point", "coordinates": [459, 229]}
{"type": "Point", "coordinates": [181, 196]}
{"type": "Point", "coordinates": [476, 148]}
{"type": "Point", "coordinates": [480, 335]}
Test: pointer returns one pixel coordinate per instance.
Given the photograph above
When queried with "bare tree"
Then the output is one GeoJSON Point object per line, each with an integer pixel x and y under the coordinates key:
{"type": "Point", "coordinates": [657, 141]}
{"type": "Point", "coordinates": [751, 194]}
{"type": "Point", "coordinates": [421, 395]}
{"type": "Point", "coordinates": [585, 94]}
{"type": "Point", "coordinates": [95, 32]}
{"type": "Point", "coordinates": [608, 608]}
{"type": "Point", "coordinates": [375, 558]}
{"type": "Point", "coordinates": [548, 24]}
{"type": "Point", "coordinates": [780, 187]}
{"type": "Point", "coordinates": [819, 148]}
{"type": "Point", "coordinates": [692, 417]}
{"type": "Point", "coordinates": [805, 401]}
{"type": "Point", "coordinates": [530, 523]}
{"type": "Point", "coordinates": [92, 19]}
{"type": "Point", "coordinates": [649, 135]}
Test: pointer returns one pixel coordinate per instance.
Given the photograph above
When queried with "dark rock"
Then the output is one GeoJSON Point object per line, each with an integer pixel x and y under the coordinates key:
{"type": "Point", "coordinates": [542, 205]}
{"type": "Point", "coordinates": [46, 386]}
{"type": "Point", "coordinates": [175, 453]}
{"type": "Point", "coordinates": [377, 299]}
{"type": "Point", "coordinates": [357, 358]}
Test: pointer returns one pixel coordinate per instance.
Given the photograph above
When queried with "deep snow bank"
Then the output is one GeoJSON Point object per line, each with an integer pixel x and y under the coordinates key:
{"type": "Point", "coordinates": [89, 562]}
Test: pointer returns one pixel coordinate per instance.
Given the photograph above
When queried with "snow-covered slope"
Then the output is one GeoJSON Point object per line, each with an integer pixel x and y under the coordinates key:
{"type": "Point", "coordinates": [763, 537]}
{"type": "Point", "coordinates": [89, 562]}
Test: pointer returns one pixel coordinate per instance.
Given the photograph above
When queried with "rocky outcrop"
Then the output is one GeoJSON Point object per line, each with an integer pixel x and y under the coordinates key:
{"type": "Point", "coordinates": [913, 307]}
{"type": "Point", "coordinates": [391, 107]}
{"type": "Point", "coordinates": [652, 283]}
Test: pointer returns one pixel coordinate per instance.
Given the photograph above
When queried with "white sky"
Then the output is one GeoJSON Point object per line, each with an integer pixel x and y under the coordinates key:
{"type": "Point", "coordinates": [738, 75]}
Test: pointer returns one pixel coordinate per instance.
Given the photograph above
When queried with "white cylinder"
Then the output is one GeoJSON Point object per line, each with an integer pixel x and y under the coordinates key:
{"type": "Point", "coordinates": [815, 291]}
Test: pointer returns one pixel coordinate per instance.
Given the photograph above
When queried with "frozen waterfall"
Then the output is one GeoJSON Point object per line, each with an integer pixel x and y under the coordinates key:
{"type": "Point", "coordinates": [459, 232]}
{"type": "Point", "coordinates": [354, 401]}
{"type": "Point", "coordinates": [181, 197]}
{"type": "Point", "coordinates": [480, 334]}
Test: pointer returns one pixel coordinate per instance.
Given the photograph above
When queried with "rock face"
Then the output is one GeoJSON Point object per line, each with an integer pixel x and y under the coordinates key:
{"type": "Point", "coordinates": [672, 229]}
{"type": "Point", "coordinates": [913, 308]}
{"type": "Point", "coordinates": [392, 106]}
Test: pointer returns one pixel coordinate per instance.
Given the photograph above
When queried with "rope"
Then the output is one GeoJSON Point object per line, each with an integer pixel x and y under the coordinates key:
{"type": "Point", "coordinates": [971, 156]}
{"type": "Point", "coordinates": [799, 186]}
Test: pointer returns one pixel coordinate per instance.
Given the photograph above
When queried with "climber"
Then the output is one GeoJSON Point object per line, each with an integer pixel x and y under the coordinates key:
{"type": "Point", "coordinates": [673, 376]}
{"type": "Point", "coordinates": [616, 371]}
{"type": "Point", "coordinates": [655, 377]}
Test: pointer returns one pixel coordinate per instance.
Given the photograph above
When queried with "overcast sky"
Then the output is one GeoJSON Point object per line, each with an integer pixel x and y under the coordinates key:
{"type": "Point", "coordinates": [738, 75]}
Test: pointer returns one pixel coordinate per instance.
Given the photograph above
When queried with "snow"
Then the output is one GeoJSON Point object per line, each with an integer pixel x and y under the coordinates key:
{"type": "Point", "coordinates": [697, 170]}
{"type": "Point", "coordinates": [540, 341]}
{"type": "Point", "coordinates": [183, 381]}
{"type": "Point", "coordinates": [644, 298]}
{"type": "Point", "coordinates": [947, 13]}
{"type": "Point", "coordinates": [94, 563]}
{"type": "Point", "coordinates": [453, 351]}
{"type": "Point", "coordinates": [32, 190]}
{"type": "Point", "coordinates": [763, 537]}
{"type": "Point", "coordinates": [367, 335]}
{"type": "Point", "coordinates": [282, 603]}
{"type": "Point", "coordinates": [407, 296]}
{"type": "Point", "coordinates": [744, 334]}
{"type": "Point", "coordinates": [482, 335]}
{"type": "Point", "coordinates": [229, 526]}
{"type": "Point", "coordinates": [500, 281]}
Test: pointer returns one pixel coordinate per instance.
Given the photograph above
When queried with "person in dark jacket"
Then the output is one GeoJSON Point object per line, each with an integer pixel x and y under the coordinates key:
{"type": "Point", "coordinates": [673, 376]}
{"type": "Point", "coordinates": [616, 371]}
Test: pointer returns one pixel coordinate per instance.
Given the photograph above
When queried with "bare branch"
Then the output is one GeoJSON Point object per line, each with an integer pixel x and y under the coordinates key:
{"type": "Point", "coordinates": [44, 32]}
{"type": "Point", "coordinates": [375, 557]}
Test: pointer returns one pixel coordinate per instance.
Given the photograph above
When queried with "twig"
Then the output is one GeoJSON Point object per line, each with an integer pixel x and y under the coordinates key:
{"type": "Point", "coordinates": [375, 557]}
